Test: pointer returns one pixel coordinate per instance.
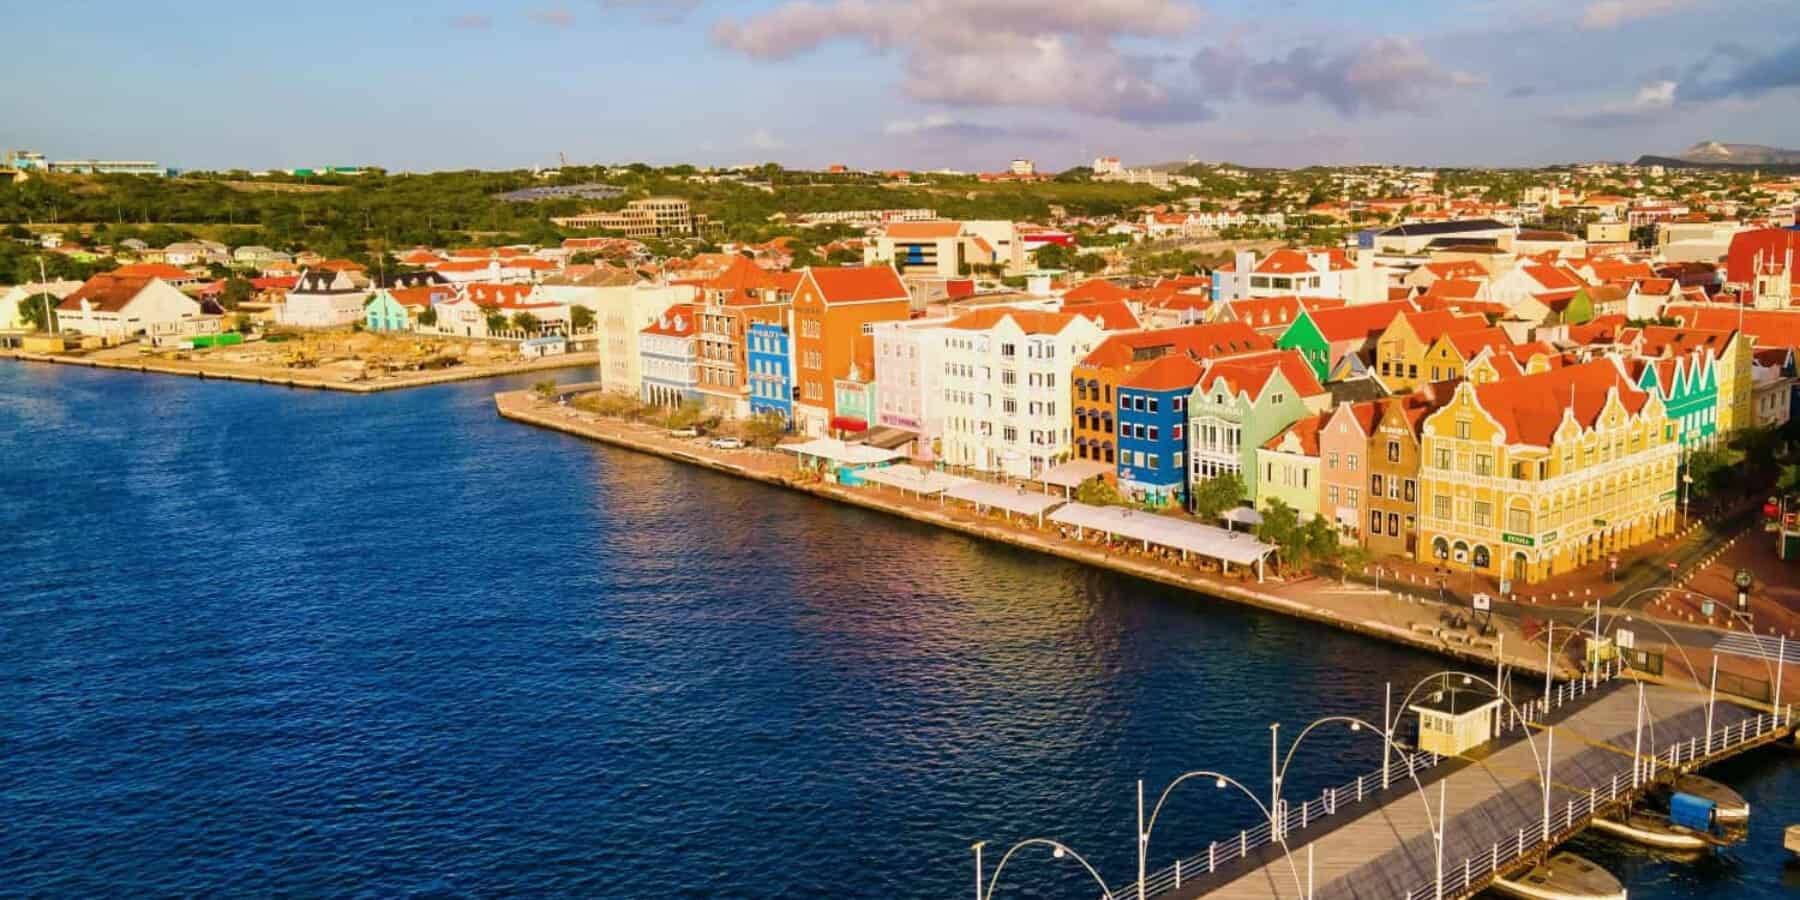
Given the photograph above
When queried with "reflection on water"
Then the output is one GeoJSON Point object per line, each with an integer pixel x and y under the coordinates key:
{"type": "Point", "coordinates": [263, 641]}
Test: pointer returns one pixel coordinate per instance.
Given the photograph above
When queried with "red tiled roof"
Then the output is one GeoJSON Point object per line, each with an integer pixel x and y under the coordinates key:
{"type": "Point", "coordinates": [154, 270]}
{"type": "Point", "coordinates": [1165, 373]}
{"type": "Point", "coordinates": [1530, 407]}
{"type": "Point", "coordinates": [852, 284]}
{"type": "Point", "coordinates": [1360, 322]}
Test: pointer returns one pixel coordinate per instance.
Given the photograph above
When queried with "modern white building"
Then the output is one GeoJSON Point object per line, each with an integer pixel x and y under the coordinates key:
{"type": "Point", "coordinates": [1005, 387]}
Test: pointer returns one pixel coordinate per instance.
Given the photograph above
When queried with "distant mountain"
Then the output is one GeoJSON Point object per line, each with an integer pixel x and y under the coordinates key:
{"type": "Point", "coordinates": [1714, 153]}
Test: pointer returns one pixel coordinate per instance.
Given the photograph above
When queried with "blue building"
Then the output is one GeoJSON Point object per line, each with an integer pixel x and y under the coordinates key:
{"type": "Point", "coordinates": [770, 376]}
{"type": "Point", "coordinates": [1152, 438]}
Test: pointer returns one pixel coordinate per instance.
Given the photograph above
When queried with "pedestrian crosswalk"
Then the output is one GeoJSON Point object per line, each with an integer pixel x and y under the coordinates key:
{"type": "Point", "coordinates": [1759, 647]}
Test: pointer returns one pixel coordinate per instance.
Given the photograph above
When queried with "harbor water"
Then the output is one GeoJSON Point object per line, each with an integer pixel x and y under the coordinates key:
{"type": "Point", "coordinates": [264, 641]}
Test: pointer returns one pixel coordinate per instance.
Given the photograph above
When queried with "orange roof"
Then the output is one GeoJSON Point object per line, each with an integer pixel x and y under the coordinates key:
{"type": "Point", "coordinates": [1031, 321]}
{"type": "Point", "coordinates": [154, 270]}
{"type": "Point", "coordinates": [854, 284]}
{"type": "Point", "coordinates": [923, 230]}
{"type": "Point", "coordinates": [1165, 373]}
{"type": "Point", "coordinates": [676, 321]}
{"type": "Point", "coordinates": [1355, 323]}
{"type": "Point", "coordinates": [1202, 341]}
{"type": "Point", "coordinates": [1306, 430]}
{"type": "Point", "coordinates": [1249, 372]}
{"type": "Point", "coordinates": [1530, 407]}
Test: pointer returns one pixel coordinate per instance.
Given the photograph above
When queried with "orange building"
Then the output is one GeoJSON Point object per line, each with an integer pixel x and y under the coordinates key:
{"type": "Point", "coordinates": [833, 308]}
{"type": "Point", "coordinates": [1095, 379]}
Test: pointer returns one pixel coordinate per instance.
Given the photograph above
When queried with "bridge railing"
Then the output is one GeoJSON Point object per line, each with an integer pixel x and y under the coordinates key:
{"type": "Point", "coordinates": [1577, 812]}
{"type": "Point", "coordinates": [1332, 800]}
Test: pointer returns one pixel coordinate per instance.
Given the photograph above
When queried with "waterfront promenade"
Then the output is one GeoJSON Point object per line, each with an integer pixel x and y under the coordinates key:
{"type": "Point", "coordinates": [1396, 618]}
{"type": "Point", "coordinates": [312, 379]}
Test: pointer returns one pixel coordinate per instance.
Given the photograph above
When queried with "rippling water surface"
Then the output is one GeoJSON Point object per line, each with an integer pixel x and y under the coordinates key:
{"type": "Point", "coordinates": [262, 641]}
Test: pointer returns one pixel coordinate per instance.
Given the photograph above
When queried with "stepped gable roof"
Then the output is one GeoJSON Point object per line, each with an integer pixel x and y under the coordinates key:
{"type": "Point", "coordinates": [1531, 407]}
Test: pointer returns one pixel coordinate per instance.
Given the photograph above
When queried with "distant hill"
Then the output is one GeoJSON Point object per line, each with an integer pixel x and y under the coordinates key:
{"type": "Point", "coordinates": [1716, 155]}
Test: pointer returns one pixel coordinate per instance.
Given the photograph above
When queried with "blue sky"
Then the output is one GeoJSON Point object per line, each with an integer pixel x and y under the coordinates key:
{"type": "Point", "coordinates": [919, 84]}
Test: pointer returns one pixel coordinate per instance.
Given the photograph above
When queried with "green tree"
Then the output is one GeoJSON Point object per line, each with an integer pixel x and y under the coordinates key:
{"type": "Point", "coordinates": [1097, 491]}
{"type": "Point", "coordinates": [1217, 494]}
{"type": "Point", "coordinates": [764, 429]}
{"type": "Point", "coordinates": [1053, 256]}
{"type": "Point", "coordinates": [38, 311]}
{"type": "Point", "coordinates": [580, 317]}
{"type": "Point", "coordinates": [236, 291]}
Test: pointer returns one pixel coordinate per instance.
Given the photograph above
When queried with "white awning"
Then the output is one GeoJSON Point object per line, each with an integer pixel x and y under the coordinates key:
{"type": "Point", "coordinates": [913, 478]}
{"type": "Point", "coordinates": [844, 454]}
{"type": "Point", "coordinates": [1073, 473]}
{"type": "Point", "coordinates": [1004, 496]}
{"type": "Point", "coordinates": [1165, 531]}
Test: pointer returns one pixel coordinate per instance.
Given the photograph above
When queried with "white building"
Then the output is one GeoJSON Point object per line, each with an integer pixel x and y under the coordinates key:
{"type": "Point", "coordinates": [118, 307]}
{"type": "Point", "coordinates": [12, 316]}
{"type": "Point", "coordinates": [323, 299]}
{"type": "Point", "coordinates": [909, 368]}
{"type": "Point", "coordinates": [620, 313]}
{"type": "Point", "coordinates": [1005, 387]}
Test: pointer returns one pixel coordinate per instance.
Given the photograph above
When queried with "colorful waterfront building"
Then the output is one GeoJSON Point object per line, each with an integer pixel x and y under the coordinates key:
{"type": "Point", "coordinates": [1096, 377]}
{"type": "Point", "coordinates": [1689, 391]}
{"type": "Point", "coordinates": [669, 361]}
{"type": "Point", "coordinates": [1239, 403]}
{"type": "Point", "coordinates": [1344, 465]}
{"type": "Point", "coordinates": [1326, 338]}
{"type": "Point", "coordinates": [1005, 387]}
{"type": "Point", "coordinates": [1289, 468]}
{"type": "Point", "coordinates": [1152, 423]}
{"type": "Point", "coordinates": [833, 307]}
{"type": "Point", "coordinates": [770, 369]}
{"type": "Point", "coordinates": [1533, 476]}
{"type": "Point", "coordinates": [1402, 348]}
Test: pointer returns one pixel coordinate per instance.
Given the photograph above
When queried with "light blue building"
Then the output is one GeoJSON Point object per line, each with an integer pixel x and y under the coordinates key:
{"type": "Point", "coordinates": [771, 378]}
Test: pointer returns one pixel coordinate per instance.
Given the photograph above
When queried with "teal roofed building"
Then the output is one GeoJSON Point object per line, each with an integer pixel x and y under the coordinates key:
{"type": "Point", "coordinates": [1689, 388]}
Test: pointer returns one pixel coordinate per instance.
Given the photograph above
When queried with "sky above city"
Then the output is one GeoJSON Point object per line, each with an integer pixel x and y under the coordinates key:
{"type": "Point", "coordinates": [965, 84]}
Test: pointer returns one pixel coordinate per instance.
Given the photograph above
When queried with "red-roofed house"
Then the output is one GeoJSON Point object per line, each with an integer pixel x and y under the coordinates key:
{"type": "Point", "coordinates": [832, 308]}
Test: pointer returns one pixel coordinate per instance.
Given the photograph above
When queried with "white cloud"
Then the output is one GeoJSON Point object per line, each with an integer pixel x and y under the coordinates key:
{"type": "Point", "coordinates": [1602, 15]}
{"type": "Point", "coordinates": [990, 53]}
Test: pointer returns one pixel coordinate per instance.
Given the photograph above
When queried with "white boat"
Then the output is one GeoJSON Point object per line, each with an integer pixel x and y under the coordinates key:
{"type": "Point", "coordinates": [1652, 831]}
{"type": "Point", "coordinates": [1564, 876]}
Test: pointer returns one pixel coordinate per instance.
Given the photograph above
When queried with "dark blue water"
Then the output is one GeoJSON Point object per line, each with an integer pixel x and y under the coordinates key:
{"type": "Point", "coordinates": [259, 641]}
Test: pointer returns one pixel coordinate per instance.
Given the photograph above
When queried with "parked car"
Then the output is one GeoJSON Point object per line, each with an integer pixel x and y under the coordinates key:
{"type": "Point", "coordinates": [726, 443]}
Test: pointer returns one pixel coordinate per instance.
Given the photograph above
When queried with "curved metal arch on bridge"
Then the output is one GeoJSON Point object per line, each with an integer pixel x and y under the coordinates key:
{"type": "Point", "coordinates": [1357, 724]}
{"type": "Point", "coordinates": [1220, 780]}
{"type": "Point", "coordinates": [1057, 849]}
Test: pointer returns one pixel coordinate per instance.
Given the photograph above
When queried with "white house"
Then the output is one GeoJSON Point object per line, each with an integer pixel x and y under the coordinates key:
{"type": "Point", "coordinates": [1005, 387]}
{"type": "Point", "coordinates": [323, 299]}
{"type": "Point", "coordinates": [12, 317]}
{"type": "Point", "coordinates": [118, 307]}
